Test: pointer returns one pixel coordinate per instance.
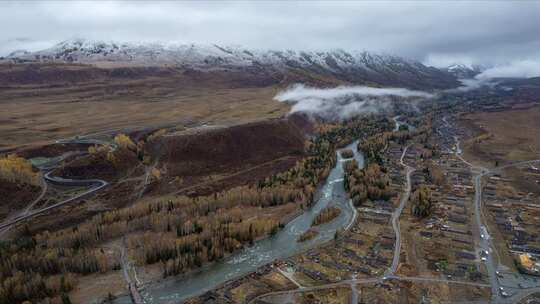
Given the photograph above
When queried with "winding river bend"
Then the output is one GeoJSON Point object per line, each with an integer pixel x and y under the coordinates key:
{"type": "Point", "coordinates": [280, 246]}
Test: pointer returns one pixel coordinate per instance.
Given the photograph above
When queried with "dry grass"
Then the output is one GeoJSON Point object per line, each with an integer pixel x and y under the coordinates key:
{"type": "Point", "coordinates": [37, 119]}
{"type": "Point", "coordinates": [278, 281]}
{"type": "Point", "coordinates": [513, 136]}
{"type": "Point", "coordinates": [413, 292]}
{"type": "Point", "coordinates": [98, 286]}
{"type": "Point", "coordinates": [329, 296]}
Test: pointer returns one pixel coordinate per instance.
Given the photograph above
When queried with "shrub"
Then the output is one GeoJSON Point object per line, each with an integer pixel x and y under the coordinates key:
{"type": "Point", "coordinates": [123, 141]}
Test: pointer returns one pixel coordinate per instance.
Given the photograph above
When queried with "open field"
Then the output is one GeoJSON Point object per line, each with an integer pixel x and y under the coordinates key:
{"type": "Point", "coordinates": [415, 292]}
{"type": "Point", "coordinates": [44, 102]}
{"type": "Point", "coordinates": [42, 119]}
{"type": "Point", "coordinates": [504, 136]}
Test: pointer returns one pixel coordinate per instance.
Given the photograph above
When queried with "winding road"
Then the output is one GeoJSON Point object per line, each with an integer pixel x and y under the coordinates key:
{"type": "Point", "coordinates": [397, 213]}
{"type": "Point", "coordinates": [96, 184]}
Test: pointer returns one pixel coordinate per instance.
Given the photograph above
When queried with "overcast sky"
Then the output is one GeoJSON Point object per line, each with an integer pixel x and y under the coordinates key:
{"type": "Point", "coordinates": [437, 33]}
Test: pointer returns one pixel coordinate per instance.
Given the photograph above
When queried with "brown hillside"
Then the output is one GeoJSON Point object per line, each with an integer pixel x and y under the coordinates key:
{"type": "Point", "coordinates": [15, 196]}
{"type": "Point", "coordinates": [99, 165]}
{"type": "Point", "coordinates": [225, 157]}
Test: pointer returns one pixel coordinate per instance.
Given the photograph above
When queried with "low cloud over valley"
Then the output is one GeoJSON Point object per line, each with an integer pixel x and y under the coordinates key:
{"type": "Point", "coordinates": [346, 101]}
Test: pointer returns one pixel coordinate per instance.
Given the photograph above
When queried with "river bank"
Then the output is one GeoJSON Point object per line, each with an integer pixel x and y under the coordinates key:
{"type": "Point", "coordinates": [280, 246]}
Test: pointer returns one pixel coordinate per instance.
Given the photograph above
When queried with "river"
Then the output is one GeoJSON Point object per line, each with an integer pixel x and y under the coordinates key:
{"type": "Point", "coordinates": [396, 122]}
{"type": "Point", "coordinates": [280, 246]}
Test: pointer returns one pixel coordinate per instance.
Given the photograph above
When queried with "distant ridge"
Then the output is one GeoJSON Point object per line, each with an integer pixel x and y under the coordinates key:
{"type": "Point", "coordinates": [347, 66]}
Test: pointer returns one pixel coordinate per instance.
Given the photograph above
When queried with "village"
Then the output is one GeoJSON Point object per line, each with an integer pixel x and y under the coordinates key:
{"type": "Point", "coordinates": [437, 250]}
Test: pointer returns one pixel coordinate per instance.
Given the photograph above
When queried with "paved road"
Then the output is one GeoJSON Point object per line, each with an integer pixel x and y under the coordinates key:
{"type": "Point", "coordinates": [484, 243]}
{"type": "Point", "coordinates": [522, 294]}
{"type": "Point", "coordinates": [98, 183]}
{"type": "Point", "coordinates": [354, 294]}
{"type": "Point", "coordinates": [397, 213]}
{"type": "Point", "coordinates": [484, 246]}
{"type": "Point", "coordinates": [48, 178]}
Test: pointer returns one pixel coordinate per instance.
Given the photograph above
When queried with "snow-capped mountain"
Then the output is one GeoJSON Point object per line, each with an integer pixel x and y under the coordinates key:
{"type": "Point", "coordinates": [462, 71]}
{"type": "Point", "coordinates": [347, 66]}
{"type": "Point", "coordinates": [201, 55]}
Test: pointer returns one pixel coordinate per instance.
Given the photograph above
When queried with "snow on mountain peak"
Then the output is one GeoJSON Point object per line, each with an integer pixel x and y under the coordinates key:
{"type": "Point", "coordinates": [464, 71]}
{"type": "Point", "coordinates": [346, 65]}
{"type": "Point", "coordinates": [90, 51]}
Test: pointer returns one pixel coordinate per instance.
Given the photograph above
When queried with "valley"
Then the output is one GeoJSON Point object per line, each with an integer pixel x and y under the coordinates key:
{"type": "Point", "coordinates": [192, 183]}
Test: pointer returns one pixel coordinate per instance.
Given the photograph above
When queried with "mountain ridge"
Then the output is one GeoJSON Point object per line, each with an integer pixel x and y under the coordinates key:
{"type": "Point", "coordinates": [463, 71]}
{"type": "Point", "coordinates": [353, 67]}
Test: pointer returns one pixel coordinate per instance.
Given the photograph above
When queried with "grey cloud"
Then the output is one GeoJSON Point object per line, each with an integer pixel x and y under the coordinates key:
{"type": "Point", "coordinates": [479, 32]}
{"type": "Point", "coordinates": [515, 69]}
{"type": "Point", "coordinates": [489, 77]}
{"type": "Point", "coordinates": [346, 101]}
